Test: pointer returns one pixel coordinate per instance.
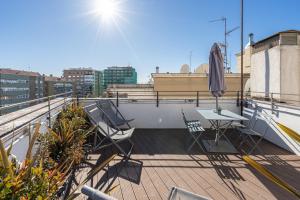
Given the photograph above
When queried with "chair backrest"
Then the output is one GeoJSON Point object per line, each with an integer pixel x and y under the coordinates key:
{"type": "Point", "coordinates": [111, 110]}
{"type": "Point", "coordinates": [183, 116]}
{"type": "Point", "coordinates": [259, 116]}
{"type": "Point", "coordinates": [106, 106]}
{"type": "Point", "coordinates": [99, 119]}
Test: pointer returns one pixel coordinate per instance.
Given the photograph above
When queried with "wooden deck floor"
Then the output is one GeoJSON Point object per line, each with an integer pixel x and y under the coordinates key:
{"type": "Point", "coordinates": [160, 161]}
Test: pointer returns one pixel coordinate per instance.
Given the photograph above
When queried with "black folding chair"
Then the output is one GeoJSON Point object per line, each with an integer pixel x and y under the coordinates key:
{"type": "Point", "coordinates": [110, 135]}
{"type": "Point", "coordinates": [195, 129]}
{"type": "Point", "coordinates": [249, 133]}
{"type": "Point", "coordinates": [113, 112]}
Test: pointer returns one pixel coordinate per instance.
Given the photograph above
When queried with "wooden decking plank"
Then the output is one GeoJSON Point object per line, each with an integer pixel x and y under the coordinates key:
{"type": "Point", "coordinates": [167, 164]}
{"type": "Point", "coordinates": [126, 188]}
{"type": "Point", "coordinates": [153, 173]}
{"type": "Point", "coordinates": [169, 170]}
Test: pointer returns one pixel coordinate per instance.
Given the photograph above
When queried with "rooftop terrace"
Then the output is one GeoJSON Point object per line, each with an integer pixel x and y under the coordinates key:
{"type": "Point", "coordinates": [160, 161]}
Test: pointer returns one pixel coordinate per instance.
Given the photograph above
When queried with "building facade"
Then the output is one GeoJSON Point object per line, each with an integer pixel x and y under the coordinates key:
{"type": "Point", "coordinates": [177, 85]}
{"type": "Point", "coordinates": [120, 75]}
{"type": "Point", "coordinates": [18, 86]}
{"type": "Point", "coordinates": [275, 67]}
{"type": "Point", "coordinates": [89, 82]}
{"type": "Point", "coordinates": [56, 85]}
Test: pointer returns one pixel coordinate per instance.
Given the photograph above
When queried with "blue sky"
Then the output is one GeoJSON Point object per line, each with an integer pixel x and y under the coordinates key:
{"type": "Point", "coordinates": [50, 35]}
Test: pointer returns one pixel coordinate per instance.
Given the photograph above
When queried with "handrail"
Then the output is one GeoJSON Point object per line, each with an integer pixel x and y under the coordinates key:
{"type": "Point", "coordinates": [31, 120]}
{"type": "Point", "coordinates": [32, 101]}
{"type": "Point", "coordinates": [1, 124]}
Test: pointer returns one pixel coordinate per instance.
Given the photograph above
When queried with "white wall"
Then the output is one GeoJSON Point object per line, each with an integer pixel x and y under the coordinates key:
{"type": "Point", "coordinates": [168, 115]}
{"type": "Point", "coordinates": [290, 72]}
{"type": "Point", "coordinates": [265, 72]}
{"type": "Point", "coordinates": [288, 116]}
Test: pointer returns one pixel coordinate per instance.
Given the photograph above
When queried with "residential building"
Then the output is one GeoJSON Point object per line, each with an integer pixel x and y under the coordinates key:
{"type": "Point", "coordinates": [18, 86]}
{"type": "Point", "coordinates": [56, 85]}
{"type": "Point", "coordinates": [120, 75]}
{"type": "Point", "coordinates": [275, 67]}
{"type": "Point", "coordinates": [89, 82]}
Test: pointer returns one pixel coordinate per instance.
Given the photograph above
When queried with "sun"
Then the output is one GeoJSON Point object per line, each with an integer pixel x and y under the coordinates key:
{"type": "Point", "coordinates": [107, 10]}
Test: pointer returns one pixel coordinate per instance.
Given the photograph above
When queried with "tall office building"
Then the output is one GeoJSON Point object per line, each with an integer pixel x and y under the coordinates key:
{"type": "Point", "coordinates": [18, 86]}
{"type": "Point", "coordinates": [119, 75]}
{"type": "Point", "coordinates": [87, 80]}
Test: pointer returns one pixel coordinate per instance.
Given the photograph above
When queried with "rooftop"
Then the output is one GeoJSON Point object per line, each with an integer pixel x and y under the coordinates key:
{"type": "Point", "coordinates": [18, 72]}
{"type": "Point", "coordinates": [160, 161]}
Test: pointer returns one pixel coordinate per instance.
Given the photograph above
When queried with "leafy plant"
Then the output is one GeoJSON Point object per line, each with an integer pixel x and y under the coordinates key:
{"type": "Point", "coordinates": [28, 180]}
{"type": "Point", "coordinates": [68, 136]}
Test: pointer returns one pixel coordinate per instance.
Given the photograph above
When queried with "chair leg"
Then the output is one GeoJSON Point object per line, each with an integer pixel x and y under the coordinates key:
{"type": "Point", "coordinates": [195, 141]}
{"type": "Point", "coordinates": [256, 145]}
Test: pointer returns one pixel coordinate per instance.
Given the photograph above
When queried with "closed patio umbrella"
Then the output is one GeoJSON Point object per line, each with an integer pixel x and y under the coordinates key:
{"type": "Point", "coordinates": [216, 73]}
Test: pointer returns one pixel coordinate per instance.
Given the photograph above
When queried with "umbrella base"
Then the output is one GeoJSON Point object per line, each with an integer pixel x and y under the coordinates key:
{"type": "Point", "coordinates": [223, 146]}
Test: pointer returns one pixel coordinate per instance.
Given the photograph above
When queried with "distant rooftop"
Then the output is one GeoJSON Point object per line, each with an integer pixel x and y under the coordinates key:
{"type": "Point", "coordinates": [117, 67]}
{"type": "Point", "coordinates": [130, 86]}
{"type": "Point", "coordinates": [191, 75]}
{"type": "Point", "coordinates": [276, 34]}
{"type": "Point", "coordinates": [80, 68]}
{"type": "Point", "coordinates": [55, 79]}
{"type": "Point", "coordinates": [18, 72]}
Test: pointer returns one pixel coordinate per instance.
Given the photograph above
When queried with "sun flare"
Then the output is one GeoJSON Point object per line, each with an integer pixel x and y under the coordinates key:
{"type": "Point", "coordinates": [107, 9]}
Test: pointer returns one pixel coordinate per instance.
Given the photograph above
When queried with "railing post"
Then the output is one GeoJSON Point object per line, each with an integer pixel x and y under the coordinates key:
{"type": "Point", "coordinates": [238, 99]}
{"type": "Point", "coordinates": [49, 113]}
{"type": "Point", "coordinates": [77, 100]}
{"type": "Point", "coordinates": [157, 99]}
{"type": "Point", "coordinates": [29, 132]}
{"type": "Point", "coordinates": [65, 101]}
{"type": "Point", "coordinates": [117, 99]}
{"type": "Point", "coordinates": [197, 103]}
{"type": "Point", "coordinates": [272, 103]}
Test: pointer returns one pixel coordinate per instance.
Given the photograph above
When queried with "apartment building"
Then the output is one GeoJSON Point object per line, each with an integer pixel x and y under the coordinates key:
{"type": "Point", "coordinates": [18, 86]}
{"type": "Point", "coordinates": [57, 85]}
{"type": "Point", "coordinates": [89, 82]}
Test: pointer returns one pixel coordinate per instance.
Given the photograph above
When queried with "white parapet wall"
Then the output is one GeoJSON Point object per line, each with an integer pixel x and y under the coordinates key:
{"type": "Point", "coordinates": [168, 114]}
{"type": "Point", "coordinates": [286, 115]}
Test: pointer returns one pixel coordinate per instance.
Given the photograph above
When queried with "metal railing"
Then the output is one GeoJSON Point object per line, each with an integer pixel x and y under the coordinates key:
{"type": "Point", "coordinates": [158, 96]}
{"type": "Point", "coordinates": [32, 102]}
{"type": "Point", "coordinates": [45, 116]}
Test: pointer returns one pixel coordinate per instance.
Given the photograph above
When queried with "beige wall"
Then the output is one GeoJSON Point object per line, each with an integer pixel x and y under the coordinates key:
{"type": "Point", "coordinates": [173, 83]}
{"type": "Point", "coordinates": [246, 61]}
{"type": "Point", "coordinates": [284, 73]}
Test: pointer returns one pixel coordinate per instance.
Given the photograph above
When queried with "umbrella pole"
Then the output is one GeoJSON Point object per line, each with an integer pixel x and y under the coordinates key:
{"type": "Point", "coordinates": [217, 125]}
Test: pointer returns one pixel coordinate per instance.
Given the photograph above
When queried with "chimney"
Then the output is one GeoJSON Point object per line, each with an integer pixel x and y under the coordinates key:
{"type": "Point", "coordinates": [251, 38]}
{"type": "Point", "coordinates": [157, 70]}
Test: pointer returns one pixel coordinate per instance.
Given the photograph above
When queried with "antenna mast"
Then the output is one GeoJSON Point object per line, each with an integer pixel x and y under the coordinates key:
{"type": "Point", "coordinates": [225, 45]}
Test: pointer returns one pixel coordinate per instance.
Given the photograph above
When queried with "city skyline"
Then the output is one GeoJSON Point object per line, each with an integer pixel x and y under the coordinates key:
{"type": "Point", "coordinates": [52, 36]}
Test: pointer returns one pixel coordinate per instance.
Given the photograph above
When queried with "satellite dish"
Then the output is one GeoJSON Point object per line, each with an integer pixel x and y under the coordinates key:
{"type": "Point", "coordinates": [185, 68]}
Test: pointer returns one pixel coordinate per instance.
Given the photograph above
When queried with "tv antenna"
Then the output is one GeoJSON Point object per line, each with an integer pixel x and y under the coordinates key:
{"type": "Point", "coordinates": [225, 45]}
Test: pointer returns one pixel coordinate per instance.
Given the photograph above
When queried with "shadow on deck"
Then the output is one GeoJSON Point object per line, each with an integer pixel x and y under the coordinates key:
{"type": "Point", "coordinates": [160, 161]}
